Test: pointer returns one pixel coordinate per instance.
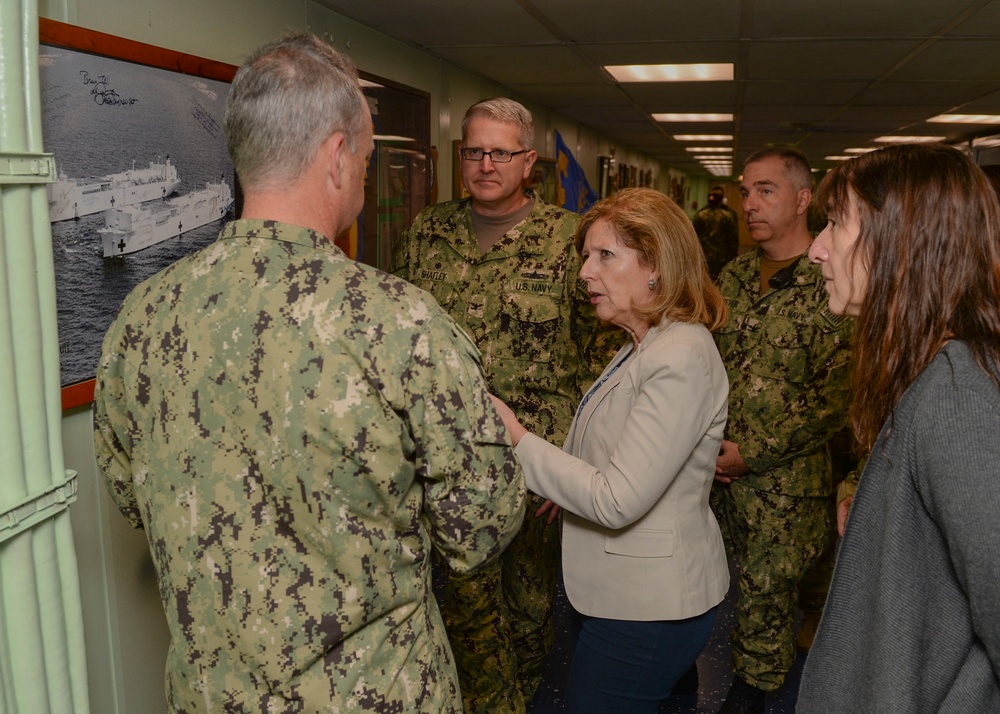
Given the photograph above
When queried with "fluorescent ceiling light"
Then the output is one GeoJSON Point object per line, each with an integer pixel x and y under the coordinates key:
{"type": "Point", "coordinates": [703, 137]}
{"type": "Point", "coordinates": [391, 137]}
{"type": "Point", "coordinates": [861, 150]}
{"type": "Point", "coordinates": [838, 158]}
{"type": "Point", "coordinates": [706, 72]}
{"type": "Point", "coordinates": [709, 149]}
{"type": "Point", "coordinates": [908, 139]}
{"type": "Point", "coordinates": [693, 117]}
{"type": "Point", "coordinates": [965, 119]}
{"type": "Point", "coordinates": [986, 142]}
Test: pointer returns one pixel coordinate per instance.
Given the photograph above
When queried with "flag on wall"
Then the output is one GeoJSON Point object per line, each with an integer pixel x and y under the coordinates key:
{"type": "Point", "coordinates": [574, 192]}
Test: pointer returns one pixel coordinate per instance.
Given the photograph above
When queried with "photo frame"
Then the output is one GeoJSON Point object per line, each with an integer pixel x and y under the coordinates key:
{"type": "Point", "coordinates": [110, 108]}
{"type": "Point", "coordinates": [545, 180]}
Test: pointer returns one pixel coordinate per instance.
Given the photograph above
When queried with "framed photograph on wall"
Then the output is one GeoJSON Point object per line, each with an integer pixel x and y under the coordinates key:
{"type": "Point", "coordinates": [144, 176]}
{"type": "Point", "coordinates": [544, 179]}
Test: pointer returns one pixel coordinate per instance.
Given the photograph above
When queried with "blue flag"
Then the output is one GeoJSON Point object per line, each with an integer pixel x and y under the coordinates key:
{"type": "Point", "coordinates": [574, 193]}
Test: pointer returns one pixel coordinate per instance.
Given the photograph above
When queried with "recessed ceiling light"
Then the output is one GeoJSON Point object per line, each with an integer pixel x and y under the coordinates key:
{"type": "Point", "coordinates": [709, 149]}
{"type": "Point", "coordinates": [692, 117]}
{"type": "Point", "coordinates": [706, 72]}
{"type": "Point", "coordinates": [965, 119]}
{"type": "Point", "coordinates": [908, 139]}
{"type": "Point", "coordinates": [703, 137]}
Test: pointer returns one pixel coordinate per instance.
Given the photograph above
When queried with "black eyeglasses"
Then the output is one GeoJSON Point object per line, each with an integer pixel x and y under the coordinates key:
{"type": "Point", "coordinates": [497, 156]}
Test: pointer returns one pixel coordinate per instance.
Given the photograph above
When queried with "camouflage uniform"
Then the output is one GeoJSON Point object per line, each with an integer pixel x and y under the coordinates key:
{"type": "Point", "coordinates": [295, 432]}
{"type": "Point", "coordinates": [787, 358]}
{"type": "Point", "coordinates": [718, 231]}
{"type": "Point", "coordinates": [526, 309]}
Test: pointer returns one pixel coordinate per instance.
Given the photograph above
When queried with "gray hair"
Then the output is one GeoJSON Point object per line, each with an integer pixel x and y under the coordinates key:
{"type": "Point", "coordinates": [288, 98]}
{"type": "Point", "coordinates": [797, 166]}
{"type": "Point", "coordinates": [507, 111]}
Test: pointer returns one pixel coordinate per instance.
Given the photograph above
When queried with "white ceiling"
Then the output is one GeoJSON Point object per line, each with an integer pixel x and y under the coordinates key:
{"type": "Point", "coordinates": [820, 75]}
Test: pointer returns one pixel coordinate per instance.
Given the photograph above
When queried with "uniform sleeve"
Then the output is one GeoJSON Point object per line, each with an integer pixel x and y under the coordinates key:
{"type": "Point", "coordinates": [819, 408]}
{"type": "Point", "coordinates": [474, 493]}
{"type": "Point", "coordinates": [112, 445]}
{"type": "Point", "coordinates": [958, 471]}
{"type": "Point", "coordinates": [403, 247]}
{"type": "Point", "coordinates": [668, 418]}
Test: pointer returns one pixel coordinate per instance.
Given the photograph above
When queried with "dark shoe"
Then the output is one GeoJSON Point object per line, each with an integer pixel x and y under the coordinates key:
{"type": "Point", "coordinates": [688, 683]}
{"type": "Point", "coordinates": [743, 698]}
{"type": "Point", "coordinates": [804, 641]}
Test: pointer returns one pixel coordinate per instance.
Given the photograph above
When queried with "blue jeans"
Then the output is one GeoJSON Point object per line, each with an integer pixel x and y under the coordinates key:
{"type": "Point", "coordinates": [630, 667]}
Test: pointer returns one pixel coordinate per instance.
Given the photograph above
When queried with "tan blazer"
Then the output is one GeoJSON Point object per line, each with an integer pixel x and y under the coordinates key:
{"type": "Point", "coordinates": [639, 540]}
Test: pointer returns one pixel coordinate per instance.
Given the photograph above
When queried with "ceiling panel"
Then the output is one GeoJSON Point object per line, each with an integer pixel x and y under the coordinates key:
{"type": "Point", "coordinates": [819, 75]}
{"type": "Point", "coordinates": [643, 20]}
{"type": "Point", "coordinates": [822, 60]}
{"type": "Point", "coordinates": [447, 22]}
{"type": "Point", "coordinates": [524, 65]}
{"type": "Point", "coordinates": [846, 19]}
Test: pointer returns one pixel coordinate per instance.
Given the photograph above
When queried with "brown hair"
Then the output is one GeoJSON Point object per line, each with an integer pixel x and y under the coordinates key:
{"type": "Point", "coordinates": [930, 238]}
{"type": "Point", "coordinates": [659, 231]}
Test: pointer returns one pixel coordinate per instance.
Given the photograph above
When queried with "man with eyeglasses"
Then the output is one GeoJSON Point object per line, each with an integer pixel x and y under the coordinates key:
{"type": "Point", "coordinates": [503, 264]}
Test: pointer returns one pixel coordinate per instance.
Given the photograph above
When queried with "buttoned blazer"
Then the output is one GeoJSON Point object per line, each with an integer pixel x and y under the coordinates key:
{"type": "Point", "coordinates": [639, 540]}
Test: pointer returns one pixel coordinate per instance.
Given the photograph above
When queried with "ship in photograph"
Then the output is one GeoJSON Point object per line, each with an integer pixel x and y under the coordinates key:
{"type": "Point", "coordinates": [132, 228]}
{"type": "Point", "coordinates": [76, 197]}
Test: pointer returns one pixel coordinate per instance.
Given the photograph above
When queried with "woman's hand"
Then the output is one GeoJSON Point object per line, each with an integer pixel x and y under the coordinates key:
{"type": "Point", "coordinates": [548, 507]}
{"type": "Point", "coordinates": [843, 508]}
{"type": "Point", "coordinates": [510, 421]}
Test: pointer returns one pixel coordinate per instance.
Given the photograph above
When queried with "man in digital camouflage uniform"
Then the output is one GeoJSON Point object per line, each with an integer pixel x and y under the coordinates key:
{"type": "Point", "coordinates": [502, 263]}
{"type": "Point", "coordinates": [787, 359]}
{"type": "Point", "coordinates": [718, 229]}
{"type": "Point", "coordinates": [296, 432]}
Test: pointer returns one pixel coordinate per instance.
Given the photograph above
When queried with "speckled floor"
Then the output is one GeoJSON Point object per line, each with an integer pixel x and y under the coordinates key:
{"type": "Point", "coordinates": [714, 670]}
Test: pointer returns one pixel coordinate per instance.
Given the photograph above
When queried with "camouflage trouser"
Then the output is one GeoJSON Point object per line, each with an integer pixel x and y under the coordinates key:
{"type": "Point", "coordinates": [777, 540]}
{"type": "Point", "coordinates": [815, 584]}
{"type": "Point", "coordinates": [499, 620]}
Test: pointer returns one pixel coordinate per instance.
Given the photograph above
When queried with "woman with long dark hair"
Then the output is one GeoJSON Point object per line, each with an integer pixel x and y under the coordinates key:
{"type": "Point", "coordinates": [912, 621]}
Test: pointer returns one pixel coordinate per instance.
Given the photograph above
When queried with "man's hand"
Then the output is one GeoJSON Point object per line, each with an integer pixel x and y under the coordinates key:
{"type": "Point", "coordinates": [730, 465]}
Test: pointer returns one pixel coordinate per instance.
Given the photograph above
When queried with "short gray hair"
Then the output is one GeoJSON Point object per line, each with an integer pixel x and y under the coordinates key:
{"type": "Point", "coordinates": [288, 97]}
{"type": "Point", "coordinates": [507, 111]}
{"type": "Point", "coordinates": [797, 166]}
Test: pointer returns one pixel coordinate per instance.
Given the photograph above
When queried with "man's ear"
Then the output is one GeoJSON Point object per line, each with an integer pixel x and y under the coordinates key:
{"type": "Point", "coordinates": [335, 151]}
{"type": "Point", "coordinates": [804, 198]}
{"type": "Point", "coordinates": [529, 162]}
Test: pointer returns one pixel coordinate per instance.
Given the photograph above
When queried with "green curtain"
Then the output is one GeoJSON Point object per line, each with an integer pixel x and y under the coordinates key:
{"type": "Point", "coordinates": [42, 659]}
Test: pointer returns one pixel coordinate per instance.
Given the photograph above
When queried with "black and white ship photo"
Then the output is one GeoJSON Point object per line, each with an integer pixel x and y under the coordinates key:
{"type": "Point", "coordinates": [144, 178]}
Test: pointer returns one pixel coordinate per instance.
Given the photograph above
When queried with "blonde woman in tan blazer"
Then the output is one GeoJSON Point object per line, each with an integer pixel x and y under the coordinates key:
{"type": "Point", "coordinates": [643, 558]}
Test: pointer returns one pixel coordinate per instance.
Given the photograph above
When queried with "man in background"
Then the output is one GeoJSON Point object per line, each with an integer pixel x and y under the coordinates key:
{"type": "Point", "coordinates": [787, 358]}
{"type": "Point", "coordinates": [503, 264]}
{"type": "Point", "coordinates": [718, 230]}
{"type": "Point", "coordinates": [296, 432]}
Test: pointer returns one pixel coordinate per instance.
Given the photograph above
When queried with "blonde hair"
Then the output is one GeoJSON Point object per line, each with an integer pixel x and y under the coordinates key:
{"type": "Point", "coordinates": [659, 231]}
{"type": "Point", "coordinates": [507, 111]}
